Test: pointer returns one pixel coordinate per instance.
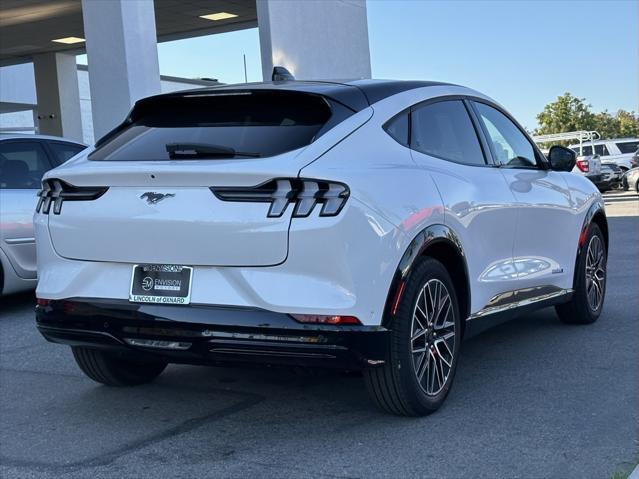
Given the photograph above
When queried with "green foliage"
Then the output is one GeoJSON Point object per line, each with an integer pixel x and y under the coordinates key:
{"type": "Point", "coordinates": [569, 113]}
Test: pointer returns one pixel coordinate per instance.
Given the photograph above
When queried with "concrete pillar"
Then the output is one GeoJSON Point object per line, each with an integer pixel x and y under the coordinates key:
{"type": "Point", "coordinates": [56, 82]}
{"type": "Point", "coordinates": [122, 55]}
{"type": "Point", "coordinates": [314, 39]}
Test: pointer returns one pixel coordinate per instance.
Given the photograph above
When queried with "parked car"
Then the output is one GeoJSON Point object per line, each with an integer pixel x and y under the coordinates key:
{"type": "Point", "coordinates": [23, 161]}
{"type": "Point", "coordinates": [630, 180]}
{"type": "Point", "coordinates": [612, 175]}
{"type": "Point", "coordinates": [619, 151]}
{"type": "Point", "coordinates": [590, 167]}
{"type": "Point", "coordinates": [362, 225]}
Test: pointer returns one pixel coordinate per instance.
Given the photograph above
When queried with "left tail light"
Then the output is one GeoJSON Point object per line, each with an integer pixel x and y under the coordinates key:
{"type": "Point", "coordinates": [55, 192]}
{"type": "Point", "coordinates": [280, 192]}
{"type": "Point", "coordinates": [583, 165]}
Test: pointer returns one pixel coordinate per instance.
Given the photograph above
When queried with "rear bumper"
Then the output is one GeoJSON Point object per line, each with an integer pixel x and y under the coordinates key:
{"type": "Point", "coordinates": [209, 334]}
{"type": "Point", "coordinates": [596, 179]}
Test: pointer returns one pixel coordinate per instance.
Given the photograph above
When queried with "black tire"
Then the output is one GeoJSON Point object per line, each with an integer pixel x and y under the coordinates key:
{"type": "Point", "coordinates": [394, 386]}
{"type": "Point", "coordinates": [111, 370]}
{"type": "Point", "coordinates": [580, 309]}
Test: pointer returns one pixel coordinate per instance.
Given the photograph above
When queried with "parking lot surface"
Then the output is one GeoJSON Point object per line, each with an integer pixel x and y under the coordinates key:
{"type": "Point", "coordinates": [532, 398]}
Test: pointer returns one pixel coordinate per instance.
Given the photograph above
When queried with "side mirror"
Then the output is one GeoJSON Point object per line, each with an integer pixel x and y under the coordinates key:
{"type": "Point", "coordinates": [562, 158]}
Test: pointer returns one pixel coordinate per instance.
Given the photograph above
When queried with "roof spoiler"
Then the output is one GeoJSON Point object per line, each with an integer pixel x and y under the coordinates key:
{"type": "Point", "coordinates": [281, 74]}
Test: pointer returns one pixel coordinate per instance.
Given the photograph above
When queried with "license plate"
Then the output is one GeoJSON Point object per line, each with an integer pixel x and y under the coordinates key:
{"type": "Point", "coordinates": [161, 283]}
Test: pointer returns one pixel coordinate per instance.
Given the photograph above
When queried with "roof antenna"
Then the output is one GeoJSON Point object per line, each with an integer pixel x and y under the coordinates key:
{"type": "Point", "coordinates": [281, 74]}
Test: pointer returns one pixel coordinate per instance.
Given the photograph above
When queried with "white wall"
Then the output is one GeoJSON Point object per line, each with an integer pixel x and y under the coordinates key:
{"type": "Point", "coordinates": [22, 87]}
{"type": "Point", "coordinates": [315, 39]}
{"type": "Point", "coordinates": [17, 84]}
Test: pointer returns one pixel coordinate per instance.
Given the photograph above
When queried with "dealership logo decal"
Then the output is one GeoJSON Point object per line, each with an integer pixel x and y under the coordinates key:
{"type": "Point", "coordinates": [152, 198]}
{"type": "Point", "coordinates": [147, 283]}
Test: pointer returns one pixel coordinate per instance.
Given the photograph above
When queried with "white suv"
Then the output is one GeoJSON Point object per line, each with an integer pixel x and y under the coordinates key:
{"type": "Point", "coordinates": [361, 225]}
{"type": "Point", "coordinates": [619, 151]}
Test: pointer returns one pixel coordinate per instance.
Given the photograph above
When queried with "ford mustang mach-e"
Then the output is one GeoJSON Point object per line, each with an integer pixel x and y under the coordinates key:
{"type": "Point", "coordinates": [363, 225]}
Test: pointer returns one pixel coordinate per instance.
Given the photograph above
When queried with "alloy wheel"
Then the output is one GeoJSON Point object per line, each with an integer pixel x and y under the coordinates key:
{"type": "Point", "coordinates": [595, 273]}
{"type": "Point", "coordinates": [433, 337]}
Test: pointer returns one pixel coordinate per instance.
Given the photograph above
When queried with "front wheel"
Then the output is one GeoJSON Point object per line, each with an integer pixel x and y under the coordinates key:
{"type": "Point", "coordinates": [106, 368]}
{"type": "Point", "coordinates": [590, 281]}
{"type": "Point", "coordinates": [424, 345]}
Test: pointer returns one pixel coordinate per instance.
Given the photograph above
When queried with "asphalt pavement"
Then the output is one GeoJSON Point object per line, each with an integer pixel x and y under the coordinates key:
{"type": "Point", "coordinates": [532, 398]}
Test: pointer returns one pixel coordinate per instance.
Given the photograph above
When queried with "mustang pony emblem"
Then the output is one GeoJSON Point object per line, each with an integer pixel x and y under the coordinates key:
{"type": "Point", "coordinates": [153, 198]}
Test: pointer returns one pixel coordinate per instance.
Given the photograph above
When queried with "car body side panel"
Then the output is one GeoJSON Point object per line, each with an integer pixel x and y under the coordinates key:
{"type": "Point", "coordinates": [547, 229]}
{"type": "Point", "coordinates": [479, 207]}
{"type": "Point", "coordinates": [16, 230]}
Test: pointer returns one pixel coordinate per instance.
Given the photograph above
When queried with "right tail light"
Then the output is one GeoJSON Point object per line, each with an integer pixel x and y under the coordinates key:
{"type": "Point", "coordinates": [280, 192]}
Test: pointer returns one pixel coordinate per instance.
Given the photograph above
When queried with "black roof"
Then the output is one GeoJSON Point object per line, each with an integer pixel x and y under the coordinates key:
{"type": "Point", "coordinates": [355, 94]}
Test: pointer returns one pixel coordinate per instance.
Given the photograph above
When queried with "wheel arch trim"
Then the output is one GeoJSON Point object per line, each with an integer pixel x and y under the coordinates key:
{"type": "Point", "coordinates": [595, 214]}
{"type": "Point", "coordinates": [428, 237]}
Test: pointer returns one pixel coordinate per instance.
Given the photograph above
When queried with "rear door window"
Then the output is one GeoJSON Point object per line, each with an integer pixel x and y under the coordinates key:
{"type": "Point", "coordinates": [241, 124]}
{"type": "Point", "coordinates": [444, 130]}
{"type": "Point", "coordinates": [22, 164]}
{"type": "Point", "coordinates": [628, 146]}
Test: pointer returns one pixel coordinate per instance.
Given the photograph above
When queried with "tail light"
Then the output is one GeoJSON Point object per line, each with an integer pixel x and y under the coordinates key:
{"type": "Point", "coordinates": [322, 319]}
{"type": "Point", "coordinates": [42, 302]}
{"type": "Point", "coordinates": [280, 192]}
{"type": "Point", "coordinates": [55, 192]}
{"type": "Point", "coordinates": [583, 165]}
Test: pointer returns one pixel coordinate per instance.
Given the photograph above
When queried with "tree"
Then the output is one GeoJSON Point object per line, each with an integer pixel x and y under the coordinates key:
{"type": "Point", "coordinates": [628, 123]}
{"type": "Point", "coordinates": [569, 113]}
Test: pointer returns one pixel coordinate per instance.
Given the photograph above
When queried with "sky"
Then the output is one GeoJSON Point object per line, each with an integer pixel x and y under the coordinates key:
{"type": "Point", "coordinates": [521, 53]}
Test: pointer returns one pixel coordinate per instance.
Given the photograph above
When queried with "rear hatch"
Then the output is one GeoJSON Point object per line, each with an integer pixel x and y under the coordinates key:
{"type": "Point", "coordinates": [160, 165]}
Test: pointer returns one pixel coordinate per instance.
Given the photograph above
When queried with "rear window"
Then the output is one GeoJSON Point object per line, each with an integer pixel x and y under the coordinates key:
{"type": "Point", "coordinates": [628, 146]}
{"type": "Point", "coordinates": [237, 124]}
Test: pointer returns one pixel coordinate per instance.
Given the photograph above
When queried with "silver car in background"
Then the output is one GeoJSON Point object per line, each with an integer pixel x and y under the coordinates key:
{"type": "Point", "coordinates": [23, 161]}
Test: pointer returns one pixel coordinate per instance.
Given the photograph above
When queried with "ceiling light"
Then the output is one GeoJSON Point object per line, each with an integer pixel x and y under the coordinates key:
{"type": "Point", "coordinates": [218, 16]}
{"type": "Point", "coordinates": [68, 40]}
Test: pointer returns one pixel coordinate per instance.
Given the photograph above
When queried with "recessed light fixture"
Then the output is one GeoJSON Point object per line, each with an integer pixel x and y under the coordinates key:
{"type": "Point", "coordinates": [68, 40]}
{"type": "Point", "coordinates": [218, 16]}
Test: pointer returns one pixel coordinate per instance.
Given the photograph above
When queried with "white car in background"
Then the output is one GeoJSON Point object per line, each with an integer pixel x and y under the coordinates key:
{"type": "Point", "coordinates": [23, 161]}
{"type": "Point", "coordinates": [619, 151]}
{"type": "Point", "coordinates": [363, 225]}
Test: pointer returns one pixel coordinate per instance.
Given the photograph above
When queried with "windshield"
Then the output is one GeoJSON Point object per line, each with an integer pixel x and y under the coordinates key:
{"type": "Point", "coordinates": [264, 123]}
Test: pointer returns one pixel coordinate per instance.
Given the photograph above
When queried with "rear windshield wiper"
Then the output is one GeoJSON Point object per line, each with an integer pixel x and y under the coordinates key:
{"type": "Point", "coordinates": [178, 151]}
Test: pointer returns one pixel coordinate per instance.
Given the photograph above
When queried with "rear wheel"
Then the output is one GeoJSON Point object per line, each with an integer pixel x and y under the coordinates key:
{"type": "Point", "coordinates": [590, 288]}
{"type": "Point", "coordinates": [424, 345]}
{"type": "Point", "coordinates": [109, 369]}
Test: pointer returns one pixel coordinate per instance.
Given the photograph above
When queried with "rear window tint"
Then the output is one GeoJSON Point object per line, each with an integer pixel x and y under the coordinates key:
{"type": "Point", "coordinates": [262, 124]}
{"type": "Point", "coordinates": [628, 146]}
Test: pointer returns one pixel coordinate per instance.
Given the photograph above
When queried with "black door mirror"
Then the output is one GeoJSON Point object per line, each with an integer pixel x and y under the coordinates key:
{"type": "Point", "coordinates": [561, 158]}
